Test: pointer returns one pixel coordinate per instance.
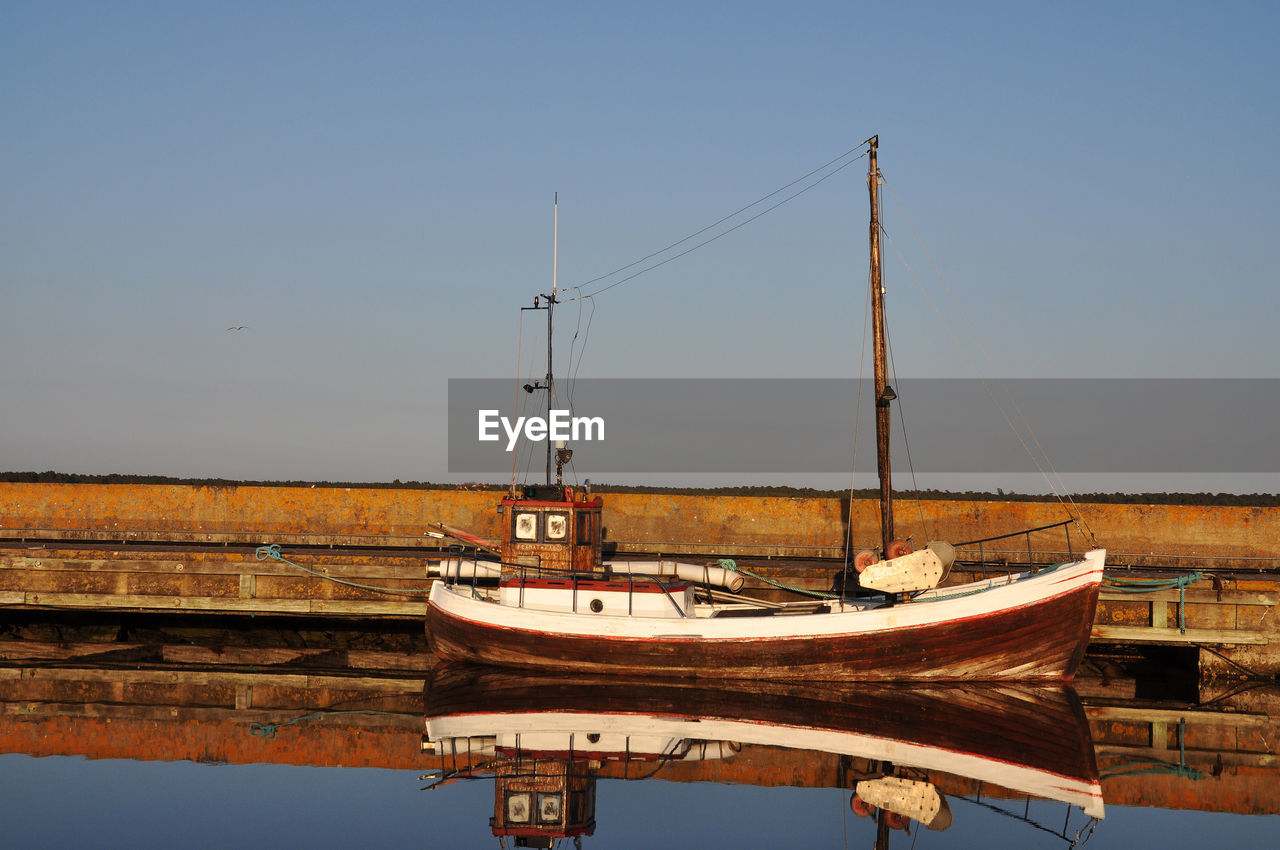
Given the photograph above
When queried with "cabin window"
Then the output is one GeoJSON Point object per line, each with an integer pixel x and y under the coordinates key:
{"type": "Point", "coordinates": [526, 526]}
{"type": "Point", "coordinates": [557, 526]}
{"type": "Point", "coordinates": [518, 807]}
{"type": "Point", "coordinates": [584, 529]}
{"type": "Point", "coordinates": [550, 808]}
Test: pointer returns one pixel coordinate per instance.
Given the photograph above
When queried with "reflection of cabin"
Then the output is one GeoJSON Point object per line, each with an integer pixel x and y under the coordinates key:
{"type": "Point", "coordinates": [537, 801]}
{"type": "Point", "coordinates": [551, 529]}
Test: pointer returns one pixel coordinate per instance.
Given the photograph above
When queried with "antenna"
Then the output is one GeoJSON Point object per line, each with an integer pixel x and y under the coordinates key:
{"type": "Point", "coordinates": [547, 301]}
{"type": "Point", "coordinates": [555, 240]}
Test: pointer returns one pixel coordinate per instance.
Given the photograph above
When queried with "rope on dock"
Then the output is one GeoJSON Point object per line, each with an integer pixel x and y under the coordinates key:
{"type": "Point", "coordinates": [1137, 766]}
{"type": "Point", "coordinates": [1145, 765]}
{"type": "Point", "coordinates": [1148, 585]}
{"type": "Point", "coordinates": [268, 730]}
{"type": "Point", "coordinates": [272, 552]}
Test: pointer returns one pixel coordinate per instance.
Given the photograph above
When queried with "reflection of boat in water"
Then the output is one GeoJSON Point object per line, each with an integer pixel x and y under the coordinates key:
{"type": "Point", "coordinates": [1029, 740]}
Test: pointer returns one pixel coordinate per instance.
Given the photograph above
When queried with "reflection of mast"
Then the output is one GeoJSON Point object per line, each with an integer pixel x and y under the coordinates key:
{"type": "Point", "coordinates": [882, 830]}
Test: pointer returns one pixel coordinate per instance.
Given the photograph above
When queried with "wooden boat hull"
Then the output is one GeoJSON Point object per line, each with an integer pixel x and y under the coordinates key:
{"type": "Point", "coordinates": [1028, 738]}
{"type": "Point", "coordinates": [1033, 629]}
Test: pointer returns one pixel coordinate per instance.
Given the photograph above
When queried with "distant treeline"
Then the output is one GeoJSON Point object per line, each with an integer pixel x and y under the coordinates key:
{"type": "Point", "coordinates": [1226, 499]}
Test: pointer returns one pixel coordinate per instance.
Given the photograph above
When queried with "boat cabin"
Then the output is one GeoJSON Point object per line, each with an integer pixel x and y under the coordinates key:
{"type": "Point", "coordinates": [552, 561]}
{"type": "Point", "coordinates": [551, 531]}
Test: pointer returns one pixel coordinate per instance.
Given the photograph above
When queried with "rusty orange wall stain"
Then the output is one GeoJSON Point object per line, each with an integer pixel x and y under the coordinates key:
{"type": "Point", "coordinates": [203, 741]}
{"type": "Point", "coordinates": [653, 519]}
{"type": "Point", "coordinates": [398, 748]}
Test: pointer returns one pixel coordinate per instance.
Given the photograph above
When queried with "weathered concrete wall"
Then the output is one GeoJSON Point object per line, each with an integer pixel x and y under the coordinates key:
{"type": "Point", "coordinates": [157, 508]}
{"type": "Point", "coordinates": [1191, 536]}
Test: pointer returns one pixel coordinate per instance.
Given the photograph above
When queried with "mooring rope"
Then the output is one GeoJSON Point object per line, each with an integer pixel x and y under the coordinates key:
{"type": "Point", "coordinates": [1147, 585]}
{"type": "Point", "coordinates": [272, 552]}
{"type": "Point", "coordinates": [268, 730]}
{"type": "Point", "coordinates": [1137, 766]}
{"type": "Point", "coordinates": [1145, 765]}
{"type": "Point", "coordinates": [729, 564]}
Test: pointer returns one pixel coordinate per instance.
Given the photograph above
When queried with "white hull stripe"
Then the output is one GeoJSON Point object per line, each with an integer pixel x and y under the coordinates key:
{"type": "Point", "coordinates": [951, 605]}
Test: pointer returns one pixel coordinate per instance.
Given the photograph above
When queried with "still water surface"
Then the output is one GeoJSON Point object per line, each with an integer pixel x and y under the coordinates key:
{"type": "Point", "coordinates": [127, 759]}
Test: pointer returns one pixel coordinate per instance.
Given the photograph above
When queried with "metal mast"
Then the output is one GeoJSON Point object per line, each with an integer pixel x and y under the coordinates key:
{"type": "Point", "coordinates": [550, 299]}
{"type": "Point", "coordinates": [884, 392]}
{"type": "Point", "coordinates": [551, 305]}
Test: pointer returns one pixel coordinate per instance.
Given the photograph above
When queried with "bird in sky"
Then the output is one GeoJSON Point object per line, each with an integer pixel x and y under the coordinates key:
{"type": "Point", "coordinates": [238, 328]}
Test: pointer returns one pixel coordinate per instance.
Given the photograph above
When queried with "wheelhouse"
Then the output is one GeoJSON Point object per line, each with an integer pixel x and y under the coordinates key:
{"type": "Point", "coordinates": [550, 531]}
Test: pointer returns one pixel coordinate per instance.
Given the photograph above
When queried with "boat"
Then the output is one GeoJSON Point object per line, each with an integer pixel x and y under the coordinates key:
{"type": "Point", "coordinates": [903, 747]}
{"type": "Point", "coordinates": [560, 606]}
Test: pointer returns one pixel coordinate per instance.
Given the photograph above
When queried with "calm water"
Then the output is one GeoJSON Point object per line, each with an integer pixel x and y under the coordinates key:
{"type": "Point", "coordinates": [698, 790]}
{"type": "Point", "coordinates": [77, 802]}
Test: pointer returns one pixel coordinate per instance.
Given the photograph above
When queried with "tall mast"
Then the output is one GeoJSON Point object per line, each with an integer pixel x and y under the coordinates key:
{"type": "Point", "coordinates": [884, 392]}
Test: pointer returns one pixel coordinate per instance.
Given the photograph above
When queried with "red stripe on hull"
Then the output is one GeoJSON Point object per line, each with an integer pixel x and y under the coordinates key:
{"type": "Point", "coordinates": [1041, 642]}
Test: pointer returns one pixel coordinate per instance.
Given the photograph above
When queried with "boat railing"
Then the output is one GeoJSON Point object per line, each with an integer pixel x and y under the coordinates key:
{"type": "Point", "coordinates": [1003, 557]}
{"type": "Point", "coordinates": [526, 571]}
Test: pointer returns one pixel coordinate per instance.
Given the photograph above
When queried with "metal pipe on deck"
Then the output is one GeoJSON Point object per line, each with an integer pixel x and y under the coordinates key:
{"type": "Point", "coordinates": [716, 576]}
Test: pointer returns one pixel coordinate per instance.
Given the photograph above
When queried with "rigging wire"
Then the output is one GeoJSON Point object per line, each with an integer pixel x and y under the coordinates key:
{"type": "Point", "coordinates": [986, 385]}
{"type": "Point", "coordinates": [857, 419]}
{"type": "Point", "coordinates": [574, 366]}
{"type": "Point", "coordinates": [515, 402]}
{"type": "Point", "coordinates": [893, 366]}
{"type": "Point", "coordinates": [844, 820]}
{"type": "Point", "coordinates": [1054, 488]}
{"type": "Point", "coordinates": [526, 447]}
{"type": "Point", "coordinates": [906, 443]}
{"type": "Point", "coordinates": [726, 218]}
{"type": "Point", "coordinates": [844, 161]}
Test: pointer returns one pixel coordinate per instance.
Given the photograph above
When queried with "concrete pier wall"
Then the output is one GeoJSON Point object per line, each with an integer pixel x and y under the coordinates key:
{"type": "Point", "coordinates": [744, 526]}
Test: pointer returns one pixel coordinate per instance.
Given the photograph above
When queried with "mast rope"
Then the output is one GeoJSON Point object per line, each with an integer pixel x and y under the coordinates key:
{"type": "Point", "coordinates": [574, 366]}
{"type": "Point", "coordinates": [857, 420]}
{"type": "Point", "coordinates": [1058, 489]}
{"type": "Point", "coordinates": [721, 221]}
{"type": "Point", "coordinates": [525, 449]}
{"type": "Point", "coordinates": [906, 442]}
{"type": "Point", "coordinates": [515, 402]}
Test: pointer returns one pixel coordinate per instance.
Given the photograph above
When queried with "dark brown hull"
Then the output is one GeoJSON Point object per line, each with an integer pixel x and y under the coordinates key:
{"type": "Point", "coordinates": [1044, 642]}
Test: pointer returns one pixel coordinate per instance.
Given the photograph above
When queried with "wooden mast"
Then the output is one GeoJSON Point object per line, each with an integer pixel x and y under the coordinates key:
{"type": "Point", "coordinates": [884, 392]}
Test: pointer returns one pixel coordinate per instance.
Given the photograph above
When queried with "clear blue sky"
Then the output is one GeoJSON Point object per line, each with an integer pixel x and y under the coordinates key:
{"type": "Point", "coordinates": [369, 188]}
